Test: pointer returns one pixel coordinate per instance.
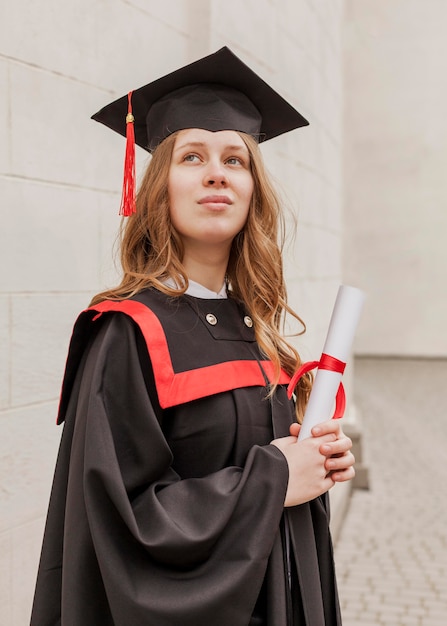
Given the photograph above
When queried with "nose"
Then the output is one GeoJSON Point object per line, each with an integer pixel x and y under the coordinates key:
{"type": "Point", "coordinates": [215, 175]}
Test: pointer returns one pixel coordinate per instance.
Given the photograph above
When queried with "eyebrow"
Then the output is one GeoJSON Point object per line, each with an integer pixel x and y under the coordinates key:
{"type": "Point", "coordinates": [202, 144]}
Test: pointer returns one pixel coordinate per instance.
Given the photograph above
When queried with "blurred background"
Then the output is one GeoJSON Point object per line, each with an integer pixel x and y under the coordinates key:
{"type": "Point", "coordinates": [365, 180]}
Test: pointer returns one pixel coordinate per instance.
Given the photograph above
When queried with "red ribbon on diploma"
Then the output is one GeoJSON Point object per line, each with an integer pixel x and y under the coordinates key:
{"type": "Point", "coordinates": [326, 362]}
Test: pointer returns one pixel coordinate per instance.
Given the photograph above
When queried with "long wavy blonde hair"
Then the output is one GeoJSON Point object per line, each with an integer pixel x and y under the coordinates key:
{"type": "Point", "coordinates": [151, 252]}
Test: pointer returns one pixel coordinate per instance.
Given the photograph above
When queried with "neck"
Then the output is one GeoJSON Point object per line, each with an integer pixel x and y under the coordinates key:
{"type": "Point", "coordinates": [208, 268]}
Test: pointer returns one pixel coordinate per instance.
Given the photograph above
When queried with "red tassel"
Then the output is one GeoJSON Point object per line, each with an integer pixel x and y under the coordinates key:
{"type": "Point", "coordinates": [128, 202]}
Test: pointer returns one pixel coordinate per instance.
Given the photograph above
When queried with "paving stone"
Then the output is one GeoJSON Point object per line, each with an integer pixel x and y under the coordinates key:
{"type": "Point", "coordinates": [391, 553]}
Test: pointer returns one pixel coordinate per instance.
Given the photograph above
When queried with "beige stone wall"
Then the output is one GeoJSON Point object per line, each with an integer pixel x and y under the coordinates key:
{"type": "Point", "coordinates": [60, 179]}
{"type": "Point", "coordinates": [396, 154]}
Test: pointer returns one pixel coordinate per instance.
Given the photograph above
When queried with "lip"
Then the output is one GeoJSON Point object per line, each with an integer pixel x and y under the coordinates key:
{"type": "Point", "coordinates": [216, 199]}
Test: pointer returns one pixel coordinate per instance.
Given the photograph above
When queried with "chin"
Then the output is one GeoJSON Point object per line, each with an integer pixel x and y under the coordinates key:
{"type": "Point", "coordinates": [219, 238]}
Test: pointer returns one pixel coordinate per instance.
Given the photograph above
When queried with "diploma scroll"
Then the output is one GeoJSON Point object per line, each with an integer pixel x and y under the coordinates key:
{"type": "Point", "coordinates": [342, 327]}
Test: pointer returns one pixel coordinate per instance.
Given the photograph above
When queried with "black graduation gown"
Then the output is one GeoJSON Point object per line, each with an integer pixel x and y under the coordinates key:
{"type": "Point", "coordinates": [167, 501]}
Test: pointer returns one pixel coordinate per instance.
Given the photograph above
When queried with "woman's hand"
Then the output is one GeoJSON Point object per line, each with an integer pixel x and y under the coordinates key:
{"type": "Point", "coordinates": [316, 463]}
{"type": "Point", "coordinates": [339, 458]}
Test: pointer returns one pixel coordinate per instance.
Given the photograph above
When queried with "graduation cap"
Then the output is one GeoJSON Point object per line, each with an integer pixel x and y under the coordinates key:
{"type": "Point", "coordinates": [217, 92]}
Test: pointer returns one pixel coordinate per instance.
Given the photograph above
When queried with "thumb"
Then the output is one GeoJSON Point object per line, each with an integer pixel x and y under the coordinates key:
{"type": "Point", "coordinates": [294, 429]}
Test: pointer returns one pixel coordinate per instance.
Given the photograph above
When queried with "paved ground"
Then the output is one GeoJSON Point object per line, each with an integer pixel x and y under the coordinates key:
{"type": "Point", "coordinates": [391, 555]}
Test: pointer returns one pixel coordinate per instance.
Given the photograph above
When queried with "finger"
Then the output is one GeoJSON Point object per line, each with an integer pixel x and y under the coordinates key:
{"type": "Point", "coordinates": [340, 463]}
{"type": "Point", "coordinates": [330, 426]}
{"type": "Point", "coordinates": [294, 429]}
{"type": "Point", "coordinates": [335, 448]}
{"type": "Point", "coordinates": [345, 475]}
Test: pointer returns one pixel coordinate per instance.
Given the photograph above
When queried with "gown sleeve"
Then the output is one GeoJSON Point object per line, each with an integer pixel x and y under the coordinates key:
{"type": "Point", "coordinates": [142, 545]}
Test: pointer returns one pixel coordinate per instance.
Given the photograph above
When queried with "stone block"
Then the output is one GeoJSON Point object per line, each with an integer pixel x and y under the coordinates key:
{"type": "Point", "coordinates": [19, 558]}
{"type": "Point", "coordinates": [309, 193]}
{"type": "Point", "coordinates": [109, 267]}
{"type": "Point", "coordinates": [287, 178]}
{"type": "Point", "coordinates": [6, 576]}
{"type": "Point", "coordinates": [395, 195]}
{"type": "Point", "coordinates": [53, 140]}
{"type": "Point", "coordinates": [339, 498]}
{"type": "Point", "coordinates": [46, 37]}
{"type": "Point", "coordinates": [318, 252]}
{"type": "Point", "coordinates": [50, 238]}
{"type": "Point", "coordinates": [331, 209]}
{"type": "Point", "coordinates": [5, 352]}
{"type": "Point", "coordinates": [239, 26]}
{"type": "Point", "coordinates": [313, 300]}
{"type": "Point", "coordinates": [176, 14]}
{"type": "Point", "coordinates": [361, 480]}
{"type": "Point", "coordinates": [41, 330]}
{"type": "Point", "coordinates": [298, 24]}
{"type": "Point", "coordinates": [74, 43]}
{"type": "Point", "coordinates": [26, 542]}
{"type": "Point", "coordinates": [5, 115]}
{"type": "Point", "coordinates": [157, 42]}
{"type": "Point", "coordinates": [29, 440]}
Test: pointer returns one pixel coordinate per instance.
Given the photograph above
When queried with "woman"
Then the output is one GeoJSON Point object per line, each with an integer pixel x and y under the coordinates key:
{"type": "Point", "coordinates": [181, 495]}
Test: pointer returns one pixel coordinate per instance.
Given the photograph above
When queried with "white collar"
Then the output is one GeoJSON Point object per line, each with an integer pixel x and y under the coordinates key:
{"type": "Point", "coordinates": [199, 291]}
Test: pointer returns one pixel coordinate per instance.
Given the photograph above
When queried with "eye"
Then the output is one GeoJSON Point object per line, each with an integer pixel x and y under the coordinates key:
{"type": "Point", "coordinates": [235, 161]}
{"type": "Point", "coordinates": [191, 158]}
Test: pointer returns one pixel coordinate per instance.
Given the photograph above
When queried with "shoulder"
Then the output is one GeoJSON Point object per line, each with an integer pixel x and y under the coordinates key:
{"type": "Point", "coordinates": [108, 331]}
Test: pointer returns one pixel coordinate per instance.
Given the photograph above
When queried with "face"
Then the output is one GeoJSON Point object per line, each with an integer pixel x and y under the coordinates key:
{"type": "Point", "coordinates": [210, 187]}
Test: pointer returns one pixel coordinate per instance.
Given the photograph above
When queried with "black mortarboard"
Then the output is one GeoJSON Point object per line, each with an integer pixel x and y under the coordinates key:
{"type": "Point", "coordinates": [217, 92]}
